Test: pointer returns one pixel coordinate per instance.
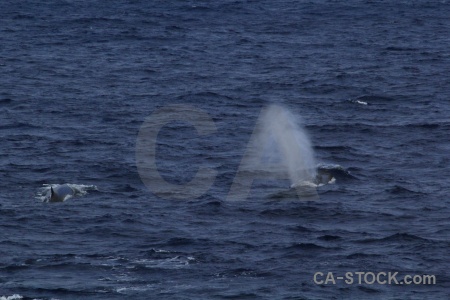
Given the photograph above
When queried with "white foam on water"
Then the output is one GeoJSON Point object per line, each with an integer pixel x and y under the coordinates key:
{"type": "Point", "coordinates": [361, 102]}
{"type": "Point", "coordinates": [13, 297]}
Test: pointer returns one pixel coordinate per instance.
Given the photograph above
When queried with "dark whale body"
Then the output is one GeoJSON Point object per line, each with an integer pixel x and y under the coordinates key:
{"type": "Point", "coordinates": [60, 193]}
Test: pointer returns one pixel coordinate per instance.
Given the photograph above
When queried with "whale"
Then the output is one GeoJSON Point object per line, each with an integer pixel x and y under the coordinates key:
{"type": "Point", "coordinates": [61, 193]}
{"type": "Point", "coordinates": [324, 177]}
{"type": "Point", "coordinates": [326, 174]}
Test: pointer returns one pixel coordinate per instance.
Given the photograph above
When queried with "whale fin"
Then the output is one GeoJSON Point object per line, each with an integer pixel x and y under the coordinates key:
{"type": "Point", "coordinates": [52, 195]}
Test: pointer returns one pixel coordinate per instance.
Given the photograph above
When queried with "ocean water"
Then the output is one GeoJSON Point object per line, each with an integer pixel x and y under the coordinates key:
{"type": "Point", "coordinates": [369, 80]}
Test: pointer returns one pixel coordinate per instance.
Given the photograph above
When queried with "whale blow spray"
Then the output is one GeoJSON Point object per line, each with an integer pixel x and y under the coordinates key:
{"type": "Point", "coordinates": [284, 141]}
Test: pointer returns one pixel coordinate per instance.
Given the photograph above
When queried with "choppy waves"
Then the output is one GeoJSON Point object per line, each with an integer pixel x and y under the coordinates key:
{"type": "Point", "coordinates": [80, 78]}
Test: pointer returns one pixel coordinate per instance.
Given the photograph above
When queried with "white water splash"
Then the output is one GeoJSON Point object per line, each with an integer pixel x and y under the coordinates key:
{"type": "Point", "coordinates": [284, 140]}
{"type": "Point", "coordinates": [13, 297]}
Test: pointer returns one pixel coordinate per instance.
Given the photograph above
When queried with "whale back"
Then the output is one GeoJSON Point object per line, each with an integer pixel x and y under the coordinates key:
{"type": "Point", "coordinates": [60, 193]}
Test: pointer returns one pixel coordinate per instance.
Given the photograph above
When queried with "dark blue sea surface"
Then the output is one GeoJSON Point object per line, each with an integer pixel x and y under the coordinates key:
{"type": "Point", "coordinates": [369, 79]}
